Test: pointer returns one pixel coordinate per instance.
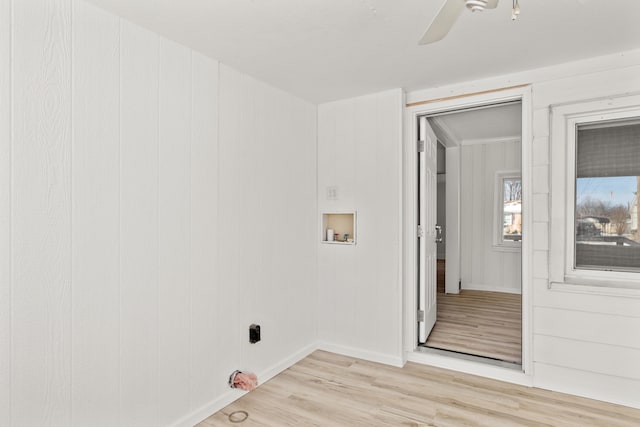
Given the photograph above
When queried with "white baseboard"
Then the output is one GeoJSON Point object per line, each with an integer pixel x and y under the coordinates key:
{"type": "Point", "coordinates": [561, 380]}
{"type": "Point", "coordinates": [207, 410]}
{"type": "Point", "coordinates": [232, 395]}
{"type": "Point", "coordinates": [358, 353]}
{"type": "Point", "coordinates": [489, 288]}
{"type": "Point", "coordinates": [286, 363]}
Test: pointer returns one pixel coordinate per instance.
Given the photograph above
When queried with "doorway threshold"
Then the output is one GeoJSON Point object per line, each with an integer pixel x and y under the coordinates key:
{"type": "Point", "coordinates": [488, 368]}
{"type": "Point", "coordinates": [471, 357]}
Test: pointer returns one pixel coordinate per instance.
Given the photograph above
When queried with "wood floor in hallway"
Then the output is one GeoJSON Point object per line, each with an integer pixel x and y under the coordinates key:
{"type": "Point", "coordinates": [486, 324]}
{"type": "Point", "coordinates": [326, 389]}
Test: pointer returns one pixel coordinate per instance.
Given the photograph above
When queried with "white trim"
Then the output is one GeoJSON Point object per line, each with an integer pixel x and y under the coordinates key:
{"type": "Point", "coordinates": [483, 141]}
{"type": "Point", "coordinates": [358, 353]}
{"type": "Point", "coordinates": [451, 140]}
{"type": "Point", "coordinates": [471, 367]}
{"type": "Point", "coordinates": [399, 337]}
{"type": "Point", "coordinates": [506, 248]}
{"type": "Point", "coordinates": [452, 201]}
{"type": "Point", "coordinates": [615, 61]}
{"type": "Point", "coordinates": [618, 290]}
{"type": "Point", "coordinates": [409, 250]}
{"type": "Point", "coordinates": [232, 395]}
{"type": "Point", "coordinates": [409, 232]}
{"type": "Point", "coordinates": [489, 288]}
{"type": "Point", "coordinates": [209, 409]}
{"type": "Point", "coordinates": [563, 118]}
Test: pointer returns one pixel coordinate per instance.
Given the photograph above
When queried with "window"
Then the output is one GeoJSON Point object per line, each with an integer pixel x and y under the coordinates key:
{"type": "Point", "coordinates": [594, 181]}
{"type": "Point", "coordinates": [508, 212]}
{"type": "Point", "coordinates": [606, 196]}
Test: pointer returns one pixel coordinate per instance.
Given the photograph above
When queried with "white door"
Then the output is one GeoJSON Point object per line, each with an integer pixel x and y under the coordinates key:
{"type": "Point", "coordinates": [427, 233]}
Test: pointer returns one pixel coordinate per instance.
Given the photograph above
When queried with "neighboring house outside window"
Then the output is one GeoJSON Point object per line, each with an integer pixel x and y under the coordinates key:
{"type": "Point", "coordinates": [595, 179]}
{"type": "Point", "coordinates": [508, 214]}
{"type": "Point", "coordinates": [607, 183]}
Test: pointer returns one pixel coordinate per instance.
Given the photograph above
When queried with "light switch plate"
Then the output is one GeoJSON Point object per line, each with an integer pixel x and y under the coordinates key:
{"type": "Point", "coordinates": [332, 192]}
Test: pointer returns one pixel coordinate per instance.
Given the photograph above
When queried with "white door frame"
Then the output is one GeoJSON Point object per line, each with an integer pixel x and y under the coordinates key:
{"type": "Point", "coordinates": [452, 211]}
{"type": "Point", "coordinates": [410, 232]}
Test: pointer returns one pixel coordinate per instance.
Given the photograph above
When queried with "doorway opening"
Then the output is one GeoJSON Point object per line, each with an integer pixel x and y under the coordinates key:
{"type": "Point", "coordinates": [470, 232]}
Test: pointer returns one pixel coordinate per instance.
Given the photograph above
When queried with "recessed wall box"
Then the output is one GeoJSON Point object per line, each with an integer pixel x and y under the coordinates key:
{"type": "Point", "coordinates": [342, 225]}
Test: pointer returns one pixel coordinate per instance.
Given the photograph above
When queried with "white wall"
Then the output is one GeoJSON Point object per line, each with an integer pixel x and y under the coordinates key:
{"type": "Point", "coordinates": [483, 266]}
{"type": "Point", "coordinates": [585, 343]}
{"type": "Point", "coordinates": [359, 289]}
{"type": "Point", "coordinates": [147, 218]}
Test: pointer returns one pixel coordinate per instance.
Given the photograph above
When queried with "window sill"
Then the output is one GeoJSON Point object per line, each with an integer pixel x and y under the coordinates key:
{"type": "Point", "coordinates": [600, 287]}
{"type": "Point", "coordinates": [506, 248]}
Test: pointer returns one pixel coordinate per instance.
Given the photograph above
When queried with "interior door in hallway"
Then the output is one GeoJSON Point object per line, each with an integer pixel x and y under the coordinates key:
{"type": "Point", "coordinates": [427, 233]}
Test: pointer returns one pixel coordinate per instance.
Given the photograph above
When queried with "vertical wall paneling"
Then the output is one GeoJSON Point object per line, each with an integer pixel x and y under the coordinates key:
{"type": "Point", "coordinates": [483, 266]}
{"type": "Point", "coordinates": [579, 354]}
{"type": "Point", "coordinates": [174, 234]}
{"type": "Point", "coordinates": [246, 148]}
{"type": "Point", "coordinates": [584, 338]}
{"type": "Point", "coordinates": [131, 257]}
{"type": "Point", "coordinates": [337, 144]}
{"type": "Point", "coordinates": [208, 377]}
{"type": "Point", "coordinates": [346, 261]}
{"type": "Point", "coordinates": [5, 212]}
{"type": "Point", "coordinates": [388, 175]}
{"type": "Point", "coordinates": [365, 164]}
{"type": "Point", "coordinates": [230, 183]}
{"type": "Point", "coordinates": [266, 257]}
{"type": "Point", "coordinates": [294, 270]}
{"type": "Point", "coordinates": [139, 226]}
{"type": "Point", "coordinates": [95, 211]}
{"type": "Point", "coordinates": [41, 220]}
{"type": "Point", "coordinates": [359, 152]}
{"type": "Point", "coordinates": [326, 276]}
{"type": "Point", "coordinates": [277, 246]}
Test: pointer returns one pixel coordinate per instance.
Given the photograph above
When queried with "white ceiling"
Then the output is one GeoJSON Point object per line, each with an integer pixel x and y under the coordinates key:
{"type": "Point", "coordinates": [323, 50]}
{"type": "Point", "coordinates": [498, 123]}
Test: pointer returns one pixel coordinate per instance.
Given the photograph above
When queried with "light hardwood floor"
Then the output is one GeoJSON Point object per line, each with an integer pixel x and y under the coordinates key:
{"type": "Point", "coordinates": [486, 324]}
{"type": "Point", "coordinates": [326, 389]}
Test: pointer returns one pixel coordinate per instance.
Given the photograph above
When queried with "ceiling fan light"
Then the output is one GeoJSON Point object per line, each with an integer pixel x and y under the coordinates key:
{"type": "Point", "coordinates": [515, 11]}
{"type": "Point", "coordinates": [476, 5]}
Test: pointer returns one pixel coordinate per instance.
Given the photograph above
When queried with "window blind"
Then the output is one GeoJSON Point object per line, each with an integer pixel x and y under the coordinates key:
{"type": "Point", "coordinates": [611, 149]}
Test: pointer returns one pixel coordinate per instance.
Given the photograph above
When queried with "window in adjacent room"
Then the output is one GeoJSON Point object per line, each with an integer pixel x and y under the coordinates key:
{"type": "Point", "coordinates": [508, 231]}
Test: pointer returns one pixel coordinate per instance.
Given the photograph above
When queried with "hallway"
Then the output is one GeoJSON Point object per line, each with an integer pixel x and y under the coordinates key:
{"type": "Point", "coordinates": [486, 324]}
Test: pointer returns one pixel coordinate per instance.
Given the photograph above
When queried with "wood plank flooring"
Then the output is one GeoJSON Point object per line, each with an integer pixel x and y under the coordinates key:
{"type": "Point", "coordinates": [326, 389]}
{"type": "Point", "coordinates": [486, 324]}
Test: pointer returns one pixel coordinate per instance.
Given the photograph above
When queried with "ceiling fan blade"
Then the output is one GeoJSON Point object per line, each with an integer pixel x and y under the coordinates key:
{"type": "Point", "coordinates": [491, 4]}
{"type": "Point", "coordinates": [443, 22]}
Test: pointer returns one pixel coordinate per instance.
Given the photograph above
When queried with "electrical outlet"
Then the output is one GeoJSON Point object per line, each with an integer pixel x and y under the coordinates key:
{"type": "Point", "coordinates": [254, 333]}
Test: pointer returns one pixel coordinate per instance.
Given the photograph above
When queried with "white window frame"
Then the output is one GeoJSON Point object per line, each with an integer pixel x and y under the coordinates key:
{"type": "Point", "coordinates": [498, 214]}
{"type": "Point", "coordinates": [564, 121]}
